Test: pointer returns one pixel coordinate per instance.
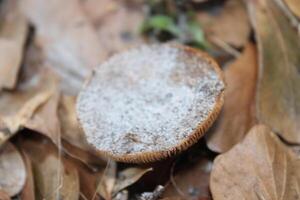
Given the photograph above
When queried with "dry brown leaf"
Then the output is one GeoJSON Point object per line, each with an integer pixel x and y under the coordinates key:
{"type": "Point", "coordinates": [260, 167]}
{"type": "Point", "coordinates": [4, 195]}
{"type": "Point", "coordinates": [12, 170]}
{"type": "Point", "coordinates": [88, 181]}
{"type": "Point", "coordinates": [54, 178]}
{"type": "Point", "coordinates": [70, 189]}
{"type": "Point", "coordinates": [33, 107]}
{"type": "Point", "coordinates": [74, 141]}
{"type": "Point", "coordinates": [28, 189]}
{"type": "Point", "coordinates": [116, 22]}
{"type": "Point", "coordinates": [238, 114]}
{"type": "Point", "coordinates": [229, 25]}
{"type": "Point", "coordinates": [67, 39]}
{"type": "Point", "coordinates": [191, 183]}
{"type": "Point", "coordinates": [128, 177]}
{"type": "Point", "coordinates": [107, 181]}
{"type": "Point", "coordinates": [13, 34]}
{"type": "Point", "coordinates": [278, 94]}
{"type": "Point", "coordinates": [70, 128]}
{"type": "Point", "coordinates": [294, 6]}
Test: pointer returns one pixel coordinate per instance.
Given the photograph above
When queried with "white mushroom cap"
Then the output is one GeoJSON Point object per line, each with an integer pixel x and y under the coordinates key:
{"type": "Point", "coordinates": [150, 102]}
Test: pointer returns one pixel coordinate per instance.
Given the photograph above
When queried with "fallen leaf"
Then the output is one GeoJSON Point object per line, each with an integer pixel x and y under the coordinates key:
{"type": "Point", "coordinates": [53, 177]}
{"type": "Point", "coordinates": [12, 170]}
{"type": "Point", "coordinates": [294, 20]}
{"type": "Point", "coordinates": [74, 141]}
{"type": "Point", "coordinates": [4, 195]}
{"type": "Point", "coordinates": [238, 114]}
{"type": "Point", "coordinates": [69, 42]}
{"type": "Point", "coordinates": [278, 94]}
{"type": "Point", "coordinates": [128, 177]}
{"type": "Point", "coordinates": [229, 24]}
{"type": "Point", "coordinates": [28, 190]}
{"type": "Point", "coordinates": [294, 6]}
{"type": "Point", "coordinates": [70, 189]}
{"type": "Point", "coordinates": [260, 167]}
{"type": "Point", "coordinates": [116, 22]}
{"type": "Point", "coordinates": [88, 181]}
{"type": "Point", "coordinates": [192, 182]}
{"type": "Point", "coordinates": [13, 34]}
{"type": "Point", "coordinates": [107, 181]}
{"type": "Point", "coordinates": [33, 108]}
{"type": "Point", "coordinates": [70, 128]}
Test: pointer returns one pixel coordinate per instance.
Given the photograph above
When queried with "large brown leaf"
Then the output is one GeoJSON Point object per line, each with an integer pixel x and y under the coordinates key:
{"type": "Point", "coordinates": [12, 170]}
{"type": "Point", "coordinates": [67, 39]}
{"type": "Point", "coordinates": [260, 167]}
{"type": "Point", "coordinates": [238, 113]}
{"type": "Point", "coordinates": [54, 177]}
{"type": "Point", "coordinates": [13, 33]}
{"type": "Point", "coordinates": [229, 24]}
{"type": "Point", "coordinates": [278, 94]}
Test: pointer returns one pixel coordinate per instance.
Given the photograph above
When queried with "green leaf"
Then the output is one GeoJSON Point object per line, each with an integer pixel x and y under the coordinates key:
{"type": "Point", "coordinates": [161, 23]}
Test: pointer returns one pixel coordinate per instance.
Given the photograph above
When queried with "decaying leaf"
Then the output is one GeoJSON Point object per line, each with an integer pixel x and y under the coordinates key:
{"type": "Point", "coordinates": [12, 170]}
{"type": "Point", "coordinates": [28, 189]}
{"type": "Point", "coordinates": [229, 24]}
{"type": "Point", "coordinates": [13, 33]}
{"type": "Point", "coordinates": [53, 177]}
{"type": "Point", "coordinates": [260, 167]}
{"type": "Point", "coordinates": [191, 183]}
{"type": "Point", "coordinates": [238, 114]}
{"type": "Point", "coordinates": [34, 108]}
{"type": "Point", "coordinates": [67, 39]}
{"type": "Point", "coordinates": [107, 181]}
{"type": "Point", "coordinates": [278, 94]}
{"type": "Point", "coordinates": [128, 177]}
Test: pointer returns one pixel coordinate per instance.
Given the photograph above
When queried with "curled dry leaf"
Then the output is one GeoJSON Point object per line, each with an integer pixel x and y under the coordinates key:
{"type": "Point", "coordinates": [13, 34]}
{"type": "Point", "coordinates": [12, 170]}
{"type": "Point", "coordinates": [67, 39]}
{"type": "Point", "coordinates": [191, 183]}
{"type": "Point", "coordinates": [229, 25]}
{"type": "Point", "coordinates": [34, 108]}
{"type": "Point", "coordinates": [128, 177]}
{"type": "Point", "coordinates": [260, 167]}
{"type": "Point", "coordinates": [278, 94]}
{"type": "Point", "coordinates": [54, 177]}
{"type": "Point", "coordinates": [238, 114]}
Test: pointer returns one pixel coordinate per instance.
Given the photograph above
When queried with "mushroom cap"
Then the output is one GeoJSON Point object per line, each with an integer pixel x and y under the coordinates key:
{"type": "Point", "coordinates": [150, 102]}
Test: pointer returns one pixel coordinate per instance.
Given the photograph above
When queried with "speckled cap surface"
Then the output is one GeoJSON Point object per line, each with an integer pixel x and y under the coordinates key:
{"type": "Point", "coordinates": [150, 102]}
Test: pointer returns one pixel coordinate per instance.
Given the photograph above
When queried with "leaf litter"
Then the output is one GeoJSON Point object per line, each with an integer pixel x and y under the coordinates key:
{"type": "Point", "coordinates": [43, 144]}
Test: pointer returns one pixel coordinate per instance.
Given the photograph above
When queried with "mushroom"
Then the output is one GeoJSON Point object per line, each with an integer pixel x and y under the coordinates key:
{"type": "Point", "coordinates": [150, 102]}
